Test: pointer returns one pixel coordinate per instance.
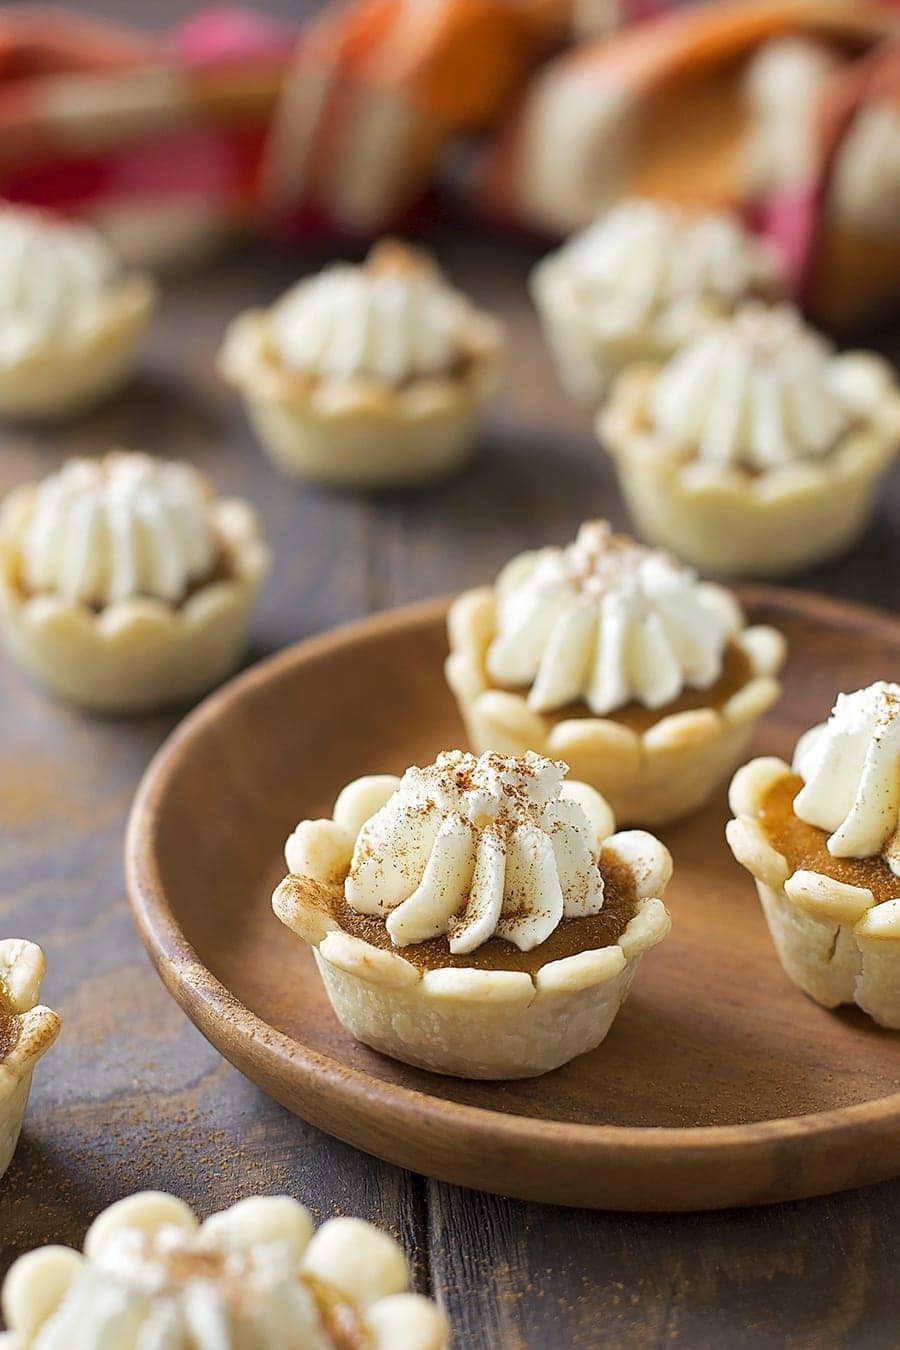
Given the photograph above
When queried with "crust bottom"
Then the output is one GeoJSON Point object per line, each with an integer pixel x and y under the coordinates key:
{"type": "Point", "coordinates": [365, 451]}
{"type": "Point", "coordinates": [476, 1039]}
{"type": "Point", "coordinates": [830, 962]}
{"type": "Point", "coordinates": [12, 1114]}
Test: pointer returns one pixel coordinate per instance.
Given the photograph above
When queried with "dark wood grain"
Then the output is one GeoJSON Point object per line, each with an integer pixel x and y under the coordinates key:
{"type": "Point", "coordinates": [133, 1096]}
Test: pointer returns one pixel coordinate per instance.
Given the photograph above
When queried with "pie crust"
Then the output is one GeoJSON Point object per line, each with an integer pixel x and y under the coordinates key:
{"type": "Point", "coordinates": [142, 652]}
{"type": "Point", "coordinates": [648, 777]}
{"type": "Point", "coordinates": [361, 433]}
{"type": "Point", "coordinates": [474, 1022]}
{"type": "Point", "coordinates": [357, 1275]}
{"type": "Point", "coordinates": [730, 522]}
{"type": "Point", "coordinates": [27, 1032]}
{"type": "Point", "coordinates": [832, 939]}
{"type": "Point", "coordinates": [70, 374]}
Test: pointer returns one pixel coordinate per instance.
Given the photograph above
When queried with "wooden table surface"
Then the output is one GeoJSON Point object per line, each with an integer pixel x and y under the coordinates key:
{"type": "Point", "coordinates": [133, 1097]}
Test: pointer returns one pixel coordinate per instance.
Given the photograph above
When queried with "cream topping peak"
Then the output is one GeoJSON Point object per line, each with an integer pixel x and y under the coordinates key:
{"type": "Point", "coordinates": [390, 320]}
{"type": "Point", "coordinates": [609, 622]}
{"type": "Point", "coordinates": [760, 389]}
{"type": "Point", "coordinates": [851, 771]}
{"type": "Point", "coordinates": [104, 530]}
{"type": "Point", "coordinates": [477, 848]}
{"type": "Point", "coordinates": [643, 257]}
{"type": "Point", "coordinates": [54, 275]}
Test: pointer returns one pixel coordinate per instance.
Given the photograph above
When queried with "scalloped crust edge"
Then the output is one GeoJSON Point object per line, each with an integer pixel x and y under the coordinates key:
{"type": "Point", "coordinates": [21, 973]}
{"type": "Point", "coordinates": [648, 778]}
{"type": "Point", "coordinates": [141, 653]}
{"type": "Point", "coordinates": [361, 1263]}
{"type": "Point", "coordinates": [474, 1023]}
{"type": "Point", "coordinates": [832, 939]}
{"type": "Point", "coordinates": [360, 433]}
{"type": "Point", "coordinates": [731, 523]}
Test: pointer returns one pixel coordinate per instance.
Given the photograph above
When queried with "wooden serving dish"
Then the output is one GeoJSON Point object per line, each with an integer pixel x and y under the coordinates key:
{"type": "Point", "coordinates": [720, 1083]}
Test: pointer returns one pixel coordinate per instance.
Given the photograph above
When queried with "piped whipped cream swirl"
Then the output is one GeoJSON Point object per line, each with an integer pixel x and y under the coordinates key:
{"type": "Point", "coordinates": [609, 622]}
{"type": "Point", "coordinates": [646, 260]}
{"type": "Point", "coordinates": [248, 1277]}
{"type": "Point", "coordinates": [391, 320]}
{"type": "Point", "coordinates": [851, 771]}
{"type": "Point", "coordinates": [104, 530]}
{"type": "Point", "coordinates": [759, 390]}
{"type": "Point", "coordinates": [497, 846]}
{"type": "Point", "coordinates": [54, 280]}
{"type": "Point", "coordinates": [865, 186]}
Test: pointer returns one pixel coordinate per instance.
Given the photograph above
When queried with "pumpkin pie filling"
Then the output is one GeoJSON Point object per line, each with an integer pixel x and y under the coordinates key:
{"type": "Point", "coordinates": [805, 847]}
{"type": "Point", "coordinates": [569, 938]}
{"type": "Point", "coordinates": [737, 671]}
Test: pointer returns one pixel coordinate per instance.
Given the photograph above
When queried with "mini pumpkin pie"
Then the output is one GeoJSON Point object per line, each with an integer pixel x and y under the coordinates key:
{"type": "Point", "coordinates": [615, 658]}
{"type": "Point", "coordinates": [253, 1277]}
{"type": "Point", "coordinates": [756, 450]}
{"type": "Point", "coordinates": [125, 583]}
{"type": "Point", "coordinates": [71, 318]}
{"type": "Point", "coordinates": [822, 840]}
{"type": "Point", "coordinates": [27, 1032]}
{"type": "Point", "coordinates": [477, 917]}
{"type": "Point", "coordinates": [371, 376]}
{"type": "Point", "coordinates": [638, 283]}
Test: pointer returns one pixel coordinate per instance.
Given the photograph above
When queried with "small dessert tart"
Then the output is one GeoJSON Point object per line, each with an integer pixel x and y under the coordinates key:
{"type": "Point", "coordinates": [125, 584]}
{"type": "Point", "coordinates": [477, 917]}
{"type": "Point", "coordinates": [26, 1033]}
{"type": "Point", "coordinates": [640, 282]}
{"type": "Point", "coordinates": [371, 376]}
{"type": "Point", "coordinates": [70, 318]}
{"type": "Point", "coordinates": [756, 450]}
{"type": "Point", "coordinates": [254, 1275]}
{"type": "Point", "coordinates": [618, 660]}
{"type": "Point", "coordinates": [822, 840]}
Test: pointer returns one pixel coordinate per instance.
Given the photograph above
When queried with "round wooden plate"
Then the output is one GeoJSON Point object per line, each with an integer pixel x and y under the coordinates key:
{"type": "Point", "coordinates": [720, 1083]}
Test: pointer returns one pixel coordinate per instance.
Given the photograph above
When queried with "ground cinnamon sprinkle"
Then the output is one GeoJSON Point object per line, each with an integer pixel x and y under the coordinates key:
{"type": "Point", "coordinates": [805, 847]}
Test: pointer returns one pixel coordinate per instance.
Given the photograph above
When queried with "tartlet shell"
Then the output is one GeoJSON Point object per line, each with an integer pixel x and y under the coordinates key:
{"type": "Point", "coordinates": [729, 522]}
{"type": "Point", "coordinates": [832, 939]}
{"type": "Point", "coordinates": [359, 433]}
{"type": "Point", "coordinates": [648, 778]}
{"type": "Point", "coordinates": [139, 653]}
{"type": "Point", "coordinates": [21, 973]}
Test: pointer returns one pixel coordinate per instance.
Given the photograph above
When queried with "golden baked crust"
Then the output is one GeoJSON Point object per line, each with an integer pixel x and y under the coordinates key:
{"type": "Point", "coordinates": [141, 652]}
{"type": "Point", "coordinates": [27, 1032]}
{"type": "Point", "coordinates": [647, 777]}
{"type": "Point", "coordinates": [474, 1022]}
{"type": "Point", "coordinates": [832, 938]}
{"type": "Point", "coordinates": [728, 521]}
{"type": "Point", "coordinates": [361, 433]}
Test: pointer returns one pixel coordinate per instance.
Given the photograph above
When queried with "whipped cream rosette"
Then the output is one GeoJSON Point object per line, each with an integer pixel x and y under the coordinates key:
{"type": "Point", "coordinates": [252, 1276]}
{"type": "Point", "coordinates": [477, 917]}
{"type": "Point", "coordinates": [638, 283]}
{"type": "Point", "coordinates": [27, 1031]}
{"type": "Point", "coordinates": [756, 449]}
{"type": "Point", "coordinates": [124, 581]}
{"type": "Point", "coordinates": [617, 659]}
{"type": "Point", "coordinates": [369, 375]}
{"type": "Point", "coordinates": [822, 840]}
{"type": "Point", "coordinates": [70, 318]}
